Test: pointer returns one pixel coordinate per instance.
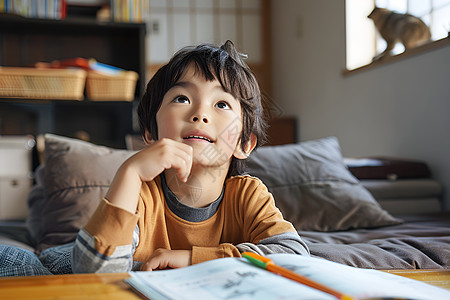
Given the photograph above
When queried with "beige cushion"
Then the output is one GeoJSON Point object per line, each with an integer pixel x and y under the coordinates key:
{"type": "Point", "coordinates": [76, 176]}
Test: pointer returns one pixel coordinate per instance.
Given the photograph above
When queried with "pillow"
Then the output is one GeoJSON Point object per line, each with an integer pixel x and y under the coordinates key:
{"type": "Point", "coordinates": [314, 189]}
{"type": "Point", "coordinates": [75, 177]}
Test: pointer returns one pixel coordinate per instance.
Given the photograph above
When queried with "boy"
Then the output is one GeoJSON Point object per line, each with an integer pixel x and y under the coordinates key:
{"type": "Point", "coordinates": [176, 202]}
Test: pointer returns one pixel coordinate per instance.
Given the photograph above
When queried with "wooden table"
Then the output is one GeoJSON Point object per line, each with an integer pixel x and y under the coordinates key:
{"type": "Point", "coordinates": [108, 286]}
{"type": "Point", "coordinates": [440, 278]}
{"type": "Point", "coordinates": [111, 286]}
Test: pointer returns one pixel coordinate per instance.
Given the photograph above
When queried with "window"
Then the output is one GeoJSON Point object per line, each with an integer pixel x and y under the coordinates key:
{"type": "Point", "coordinates": [364, 42]}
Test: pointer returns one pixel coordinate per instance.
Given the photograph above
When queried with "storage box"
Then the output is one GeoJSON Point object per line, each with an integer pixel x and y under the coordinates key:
{"type": "Point", "coordinates": [63, 84]}
{"type": "Point", "coordinates": [13, 197]}
{"type": "Point", "coordinates": [15, 155]}
{"type": "Point", "coordinates": [102, 87]}
{"type": "Point", "coordinates": [15, 175]}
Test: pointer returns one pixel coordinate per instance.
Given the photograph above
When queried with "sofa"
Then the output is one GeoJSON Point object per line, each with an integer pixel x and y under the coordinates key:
{"type": "Point", "coordinates": [336, 215]}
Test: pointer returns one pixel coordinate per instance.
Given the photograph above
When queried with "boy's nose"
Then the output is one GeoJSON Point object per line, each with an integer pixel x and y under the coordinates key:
{"type": "Point", "coordinates": [203, 118]}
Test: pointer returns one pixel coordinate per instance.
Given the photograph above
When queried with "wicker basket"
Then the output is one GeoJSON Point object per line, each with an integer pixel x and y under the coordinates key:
{"type": "Point", "coordinates": [62, 84]}
{"type": "Point", "coordinates": [101, 87]}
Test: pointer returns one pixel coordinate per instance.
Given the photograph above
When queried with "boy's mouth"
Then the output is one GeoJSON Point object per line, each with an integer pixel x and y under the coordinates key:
{"type": "Point", "coordinates": [198, 137]}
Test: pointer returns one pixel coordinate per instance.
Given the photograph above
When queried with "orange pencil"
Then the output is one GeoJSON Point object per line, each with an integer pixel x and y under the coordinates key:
{"type": "Point", "coordinates": [266, 263]}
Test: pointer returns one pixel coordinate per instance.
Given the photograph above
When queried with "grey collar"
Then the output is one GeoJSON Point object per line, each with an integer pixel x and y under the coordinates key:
{"type": "Point", "coordinates": [185, 212]}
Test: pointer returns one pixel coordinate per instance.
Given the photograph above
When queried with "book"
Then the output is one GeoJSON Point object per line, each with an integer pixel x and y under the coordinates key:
{"type": "Point", "coordinates": [86, 64]}
{"type": "Point", "coordinates": [237, 278]}
{"type": "Point", "coordinates": [52, 9]}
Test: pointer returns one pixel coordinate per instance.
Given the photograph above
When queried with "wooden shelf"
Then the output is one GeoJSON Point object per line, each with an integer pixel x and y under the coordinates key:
{"type": "Point", "coordinates": [25, 41]}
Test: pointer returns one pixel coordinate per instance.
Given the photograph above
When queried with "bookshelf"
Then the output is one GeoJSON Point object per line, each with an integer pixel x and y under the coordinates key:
{"type": "Point", "coordinates": [25, 41]}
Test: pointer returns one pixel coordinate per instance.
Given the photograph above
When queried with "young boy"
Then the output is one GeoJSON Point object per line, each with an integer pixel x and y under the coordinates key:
{"type": "Point", "coordinates": [177, 202]}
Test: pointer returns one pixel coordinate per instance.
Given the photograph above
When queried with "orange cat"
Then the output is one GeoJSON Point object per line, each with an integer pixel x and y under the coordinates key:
{"type": "Point", "coordinates": [394, 27]}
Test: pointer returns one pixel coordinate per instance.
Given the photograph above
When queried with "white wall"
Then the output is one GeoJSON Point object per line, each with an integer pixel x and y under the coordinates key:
{"type": "Point", "coordinates": [401, 109]}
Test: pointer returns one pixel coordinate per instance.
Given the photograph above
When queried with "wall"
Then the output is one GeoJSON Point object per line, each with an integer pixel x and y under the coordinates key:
{"type": "Point", "coordinates": [174, 24]}
{"type": "Point", "coordinates": [400, 109]}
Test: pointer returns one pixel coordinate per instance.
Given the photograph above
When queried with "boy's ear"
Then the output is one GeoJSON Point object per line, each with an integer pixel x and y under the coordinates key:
{"type": "Point", "coordinates": [240, 153]}
{"type": "Point", "coordinates": [148, 138]}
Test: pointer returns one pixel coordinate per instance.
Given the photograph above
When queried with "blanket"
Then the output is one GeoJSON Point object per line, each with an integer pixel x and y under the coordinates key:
{"type": "Point", "coordinates": [421, 242]}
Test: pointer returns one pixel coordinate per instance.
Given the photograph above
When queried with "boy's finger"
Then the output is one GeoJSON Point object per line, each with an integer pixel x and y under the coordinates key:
{"type": "Point", "coordinates": [182, 162]}
{"type": "Point", "coordinates": [187, 158]}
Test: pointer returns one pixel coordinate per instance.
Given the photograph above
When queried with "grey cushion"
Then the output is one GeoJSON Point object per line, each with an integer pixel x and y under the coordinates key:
{"type": "Point", "coordinates": [76, 177]}
{"type": "Point", "coordinates": [314, 189]}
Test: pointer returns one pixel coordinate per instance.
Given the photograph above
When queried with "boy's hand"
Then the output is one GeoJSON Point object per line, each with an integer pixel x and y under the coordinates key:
{"type": "Point", "coordinates": [163, 259]}
{"type": "Point", "coordinates": [161, 155]}
{"type": "Point", "coordinates": [145, 166]}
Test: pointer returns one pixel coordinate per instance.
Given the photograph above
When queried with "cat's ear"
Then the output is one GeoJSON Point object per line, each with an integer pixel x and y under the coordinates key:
{"type": "Point", "coordinates": [372, 12]}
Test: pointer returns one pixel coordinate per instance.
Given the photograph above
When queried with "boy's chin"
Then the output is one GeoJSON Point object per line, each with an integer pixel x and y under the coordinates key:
{"type": "Point", "coordinates": [208, 162]}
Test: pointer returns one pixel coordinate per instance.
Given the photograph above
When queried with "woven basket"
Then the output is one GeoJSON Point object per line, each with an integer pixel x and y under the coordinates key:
{"type": "Point", "coordinates": [101, 87]}
{"type": "Point", "coordinates": [62, 84]}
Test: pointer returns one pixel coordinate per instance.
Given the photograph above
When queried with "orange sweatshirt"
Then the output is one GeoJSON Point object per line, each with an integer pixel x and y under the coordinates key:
{"type": "Point", "coordinates": [247, 214]}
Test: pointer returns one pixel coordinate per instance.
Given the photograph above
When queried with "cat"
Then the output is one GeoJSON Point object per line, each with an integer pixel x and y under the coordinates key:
{"type": "Point", "coordinates": [394, 27]}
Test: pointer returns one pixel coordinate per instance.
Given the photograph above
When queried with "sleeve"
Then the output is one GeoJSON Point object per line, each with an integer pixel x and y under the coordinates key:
{"type": "Point", "coordinates": [268, 232]}
{"type": "Point", "coordinates": [107, 243]}
{"type": "Point", "coordinates": [201, 254]}
{"type": "Point", "coordinates": [288, 242]}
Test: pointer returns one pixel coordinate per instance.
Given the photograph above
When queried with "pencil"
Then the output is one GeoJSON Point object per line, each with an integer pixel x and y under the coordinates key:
{"type": "Point", "coordinates": [266, 263]}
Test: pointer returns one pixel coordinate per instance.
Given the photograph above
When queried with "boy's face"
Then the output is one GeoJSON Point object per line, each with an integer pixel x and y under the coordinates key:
{"type": "Point", "coordinates": [201, 114]}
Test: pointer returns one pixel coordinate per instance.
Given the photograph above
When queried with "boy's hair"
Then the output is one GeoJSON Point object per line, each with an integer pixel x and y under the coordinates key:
{"type": "Point", "coordinates": [223, 63]}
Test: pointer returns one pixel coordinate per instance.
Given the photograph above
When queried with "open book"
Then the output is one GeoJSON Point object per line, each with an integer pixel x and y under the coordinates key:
{"type": "Point", "coordinates": [236, 278]}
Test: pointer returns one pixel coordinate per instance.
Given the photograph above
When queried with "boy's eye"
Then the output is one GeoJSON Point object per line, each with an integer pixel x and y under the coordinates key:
{"type": "Point", "coordinates": [223, 105]}
{"type": "Point", "coordinates": [181, 99]}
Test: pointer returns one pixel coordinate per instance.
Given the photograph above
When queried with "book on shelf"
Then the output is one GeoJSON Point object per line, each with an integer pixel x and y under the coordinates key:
{"type": "Point", "coordinates": [237, 278]}
{"type": "Point", "coordinates": [87, 64]}
{"type": "Point", "coordinates": [44, 9]}
{"type": "Point", "coordinates": [127, 10]}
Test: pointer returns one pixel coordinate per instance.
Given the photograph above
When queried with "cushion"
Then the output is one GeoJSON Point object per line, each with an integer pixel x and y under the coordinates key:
{"type": "Point", "coordinates": [75, 177]}
{"type": "Point", "coordinates": [15, 234]}
{"type": "Point", "coordinates": [314, 189]}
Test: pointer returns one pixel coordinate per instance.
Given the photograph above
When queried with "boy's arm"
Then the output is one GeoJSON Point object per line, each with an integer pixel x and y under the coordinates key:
{"type": "Point", "coordinates": [288, 242]}
{"type": "Point", "coordinates": [268, 232]}
{"type": "Point", "coordinates": [112, 224]}
{"type": "Point", "coordinates": [86, 258]}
